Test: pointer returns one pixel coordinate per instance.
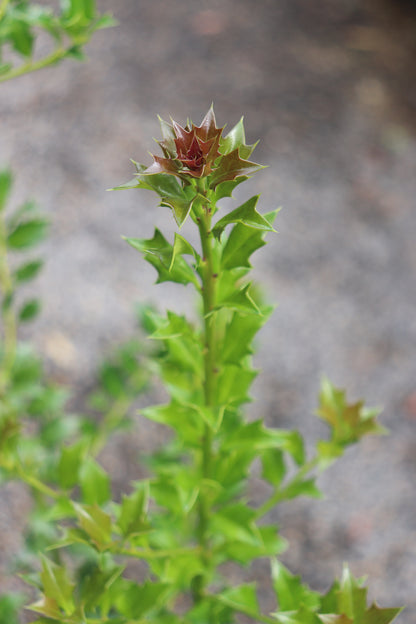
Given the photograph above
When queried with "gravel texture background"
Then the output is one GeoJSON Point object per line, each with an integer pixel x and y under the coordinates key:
{"type": "Point", "coordinates": [329, 89]}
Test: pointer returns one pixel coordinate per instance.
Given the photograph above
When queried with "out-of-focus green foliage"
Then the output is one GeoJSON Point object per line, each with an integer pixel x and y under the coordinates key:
{"type": "Point", "coordinates": [42, 444]}
{"type": "Point", "coordinates": [67, 27]}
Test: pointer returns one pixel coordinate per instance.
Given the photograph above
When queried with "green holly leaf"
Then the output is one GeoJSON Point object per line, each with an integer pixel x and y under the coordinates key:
{"type": "Point", "coordinates": [134, 601]}
{"type": "Point", "coordinates": [182, 247]}
{"type": "Point", "coordinates": [242, 242]}
{"type": "Point", "coordinates": [98, 586]}
{"type": "Point", "coordinates": [235, 294]}
{"type": "Point", "coordinates": [291, 593]}
{"type": "Point", "coordinates": [186, 421]}
{"type": "Point", "coordinates": [225, 189]}
{"type": "Point", "coordinates": [377, 615]}
{"type": "Point", "coordinates": [181, 206]}
{"type": "Point", "coordinates": [349, 422]}
{"type": "Point", "coordinates": [346, 603]}
{"type": "Point", "coordinates": [256, 435]}
{"type": "Point", "coordinates": [95, 522]}
{"type": "Point", "coordinates": [158, 252]}
{"type": "Point", "coordinates": [182, 342]}
{"type": "Point", "coordinates": [236, 139]}
{"type": "Point", "coordinates": [176, 491]}
{"type": "Point", "coordinates": [236, 523]}
{"type": "Point", "coordinates": [352, 596]}
{"type": "Point", "coordinates": [56, 585]}
{"type": "Point", "coordinates": [269, 544]}
{"type": "Point", "coordinates": [170, 190]}
{"type": "Point", "coordinates": [237, 299]}
{"type": "Point", "coordinates": [241, 598]}
{"type": "Point", "coordinates": [69, 464]}
{"type": "Point", "coordinates": [274, 467]}
{"type": "Point", "coordinates": [95, 483]}
{"type": "Point", "coordinates": [47, 607]}
{"type": "Point", "coordinates": [239, 333]}
{"type": "Point", "coordinates": [247, 215]}
{"type": "Point", "coordinates": [303, 615]}
{"type": "Point", "coordinates": [233, 384]}
{"type": "Point", "coordinates": [133, 510]}
{"type": "Point", "coordinates": [307, 487]}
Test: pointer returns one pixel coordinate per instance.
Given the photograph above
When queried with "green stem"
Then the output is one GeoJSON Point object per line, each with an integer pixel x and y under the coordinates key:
{"type": "Point", "coordinates": [282, 493]}
{"type": "Point", "coordinates": [8, 314]}
{"type": "Point", "coordinates": [31, 66]}
{"type": "Point", "coordinates": [35, 483]}
{"type": "Point", "coordinates": [210, 373]}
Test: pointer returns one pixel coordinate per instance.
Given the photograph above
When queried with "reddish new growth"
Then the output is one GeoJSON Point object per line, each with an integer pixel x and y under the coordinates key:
{"type": "Point", "coordinates": [190, 151]}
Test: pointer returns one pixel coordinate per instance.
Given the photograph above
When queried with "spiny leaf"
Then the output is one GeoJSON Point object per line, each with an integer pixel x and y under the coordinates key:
{"type": "Point", "coordinates": [290, 591]}
{"type": "Point", "coordinates": [56, 584]}
{"type": "Point", "coordinates": [377, 615]}
{"type": "Point", "coordinates": [95, 522]}
{"type": "Point", "coordinates": [95, 483]}
{"type": "Point", "coordinates": [236, 139]}
{"type": "Point", "coordinates": [239, 333]}
{"type": "Point", "coordinates": [133, 510]}
{"type": "Point", "coordinates": [348, 422]}
{"type": "Point", "coordinates": [134, 601]}
{"type": "Point", "coordinates": [346, 603]}
{"type": "Point", "coordinates": [225, 189]}
{"type": "Point", "coordinates": [182, 247]}
{"type": "Point", "coordinates": [158, 252]}
{"type": "Point", "coordinates": [247, 215]}
{"type": "Point", "coordinates": [242, 242]}
{"type": "Point", "coordinates": [187, 422]}
{"type": "Point", "coordinates": [232, 166]}
{"type": "Point", "coordinates": [352, 595]}
{"type": "Point", "coordinates": [242, 598]}
{"type": "Point", "coordinates": [274, 468]}
{"type": "Point", "coordinates": [256, 435]}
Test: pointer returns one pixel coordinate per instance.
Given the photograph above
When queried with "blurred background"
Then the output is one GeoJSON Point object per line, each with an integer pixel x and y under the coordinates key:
{"type": "Point", "coordinates": [329, 89]}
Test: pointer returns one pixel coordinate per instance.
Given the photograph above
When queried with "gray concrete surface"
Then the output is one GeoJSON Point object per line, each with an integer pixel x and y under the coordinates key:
{"type": "Point", "coordinates": [329, 89]}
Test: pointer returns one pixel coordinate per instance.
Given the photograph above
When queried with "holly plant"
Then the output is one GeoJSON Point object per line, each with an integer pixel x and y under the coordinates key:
{"type": "Point", "coordinates": [193, 514]}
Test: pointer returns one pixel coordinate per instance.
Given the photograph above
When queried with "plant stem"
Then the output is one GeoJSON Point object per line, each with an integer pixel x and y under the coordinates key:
{"type": "Point", "coordinates": [31, 66]}
{"type": "Point", "coordinates": [8, 314]}
{"type": "Point", "coordinates": [35, 483]}
{"type": "Point", "coordinates": [210, 373]}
